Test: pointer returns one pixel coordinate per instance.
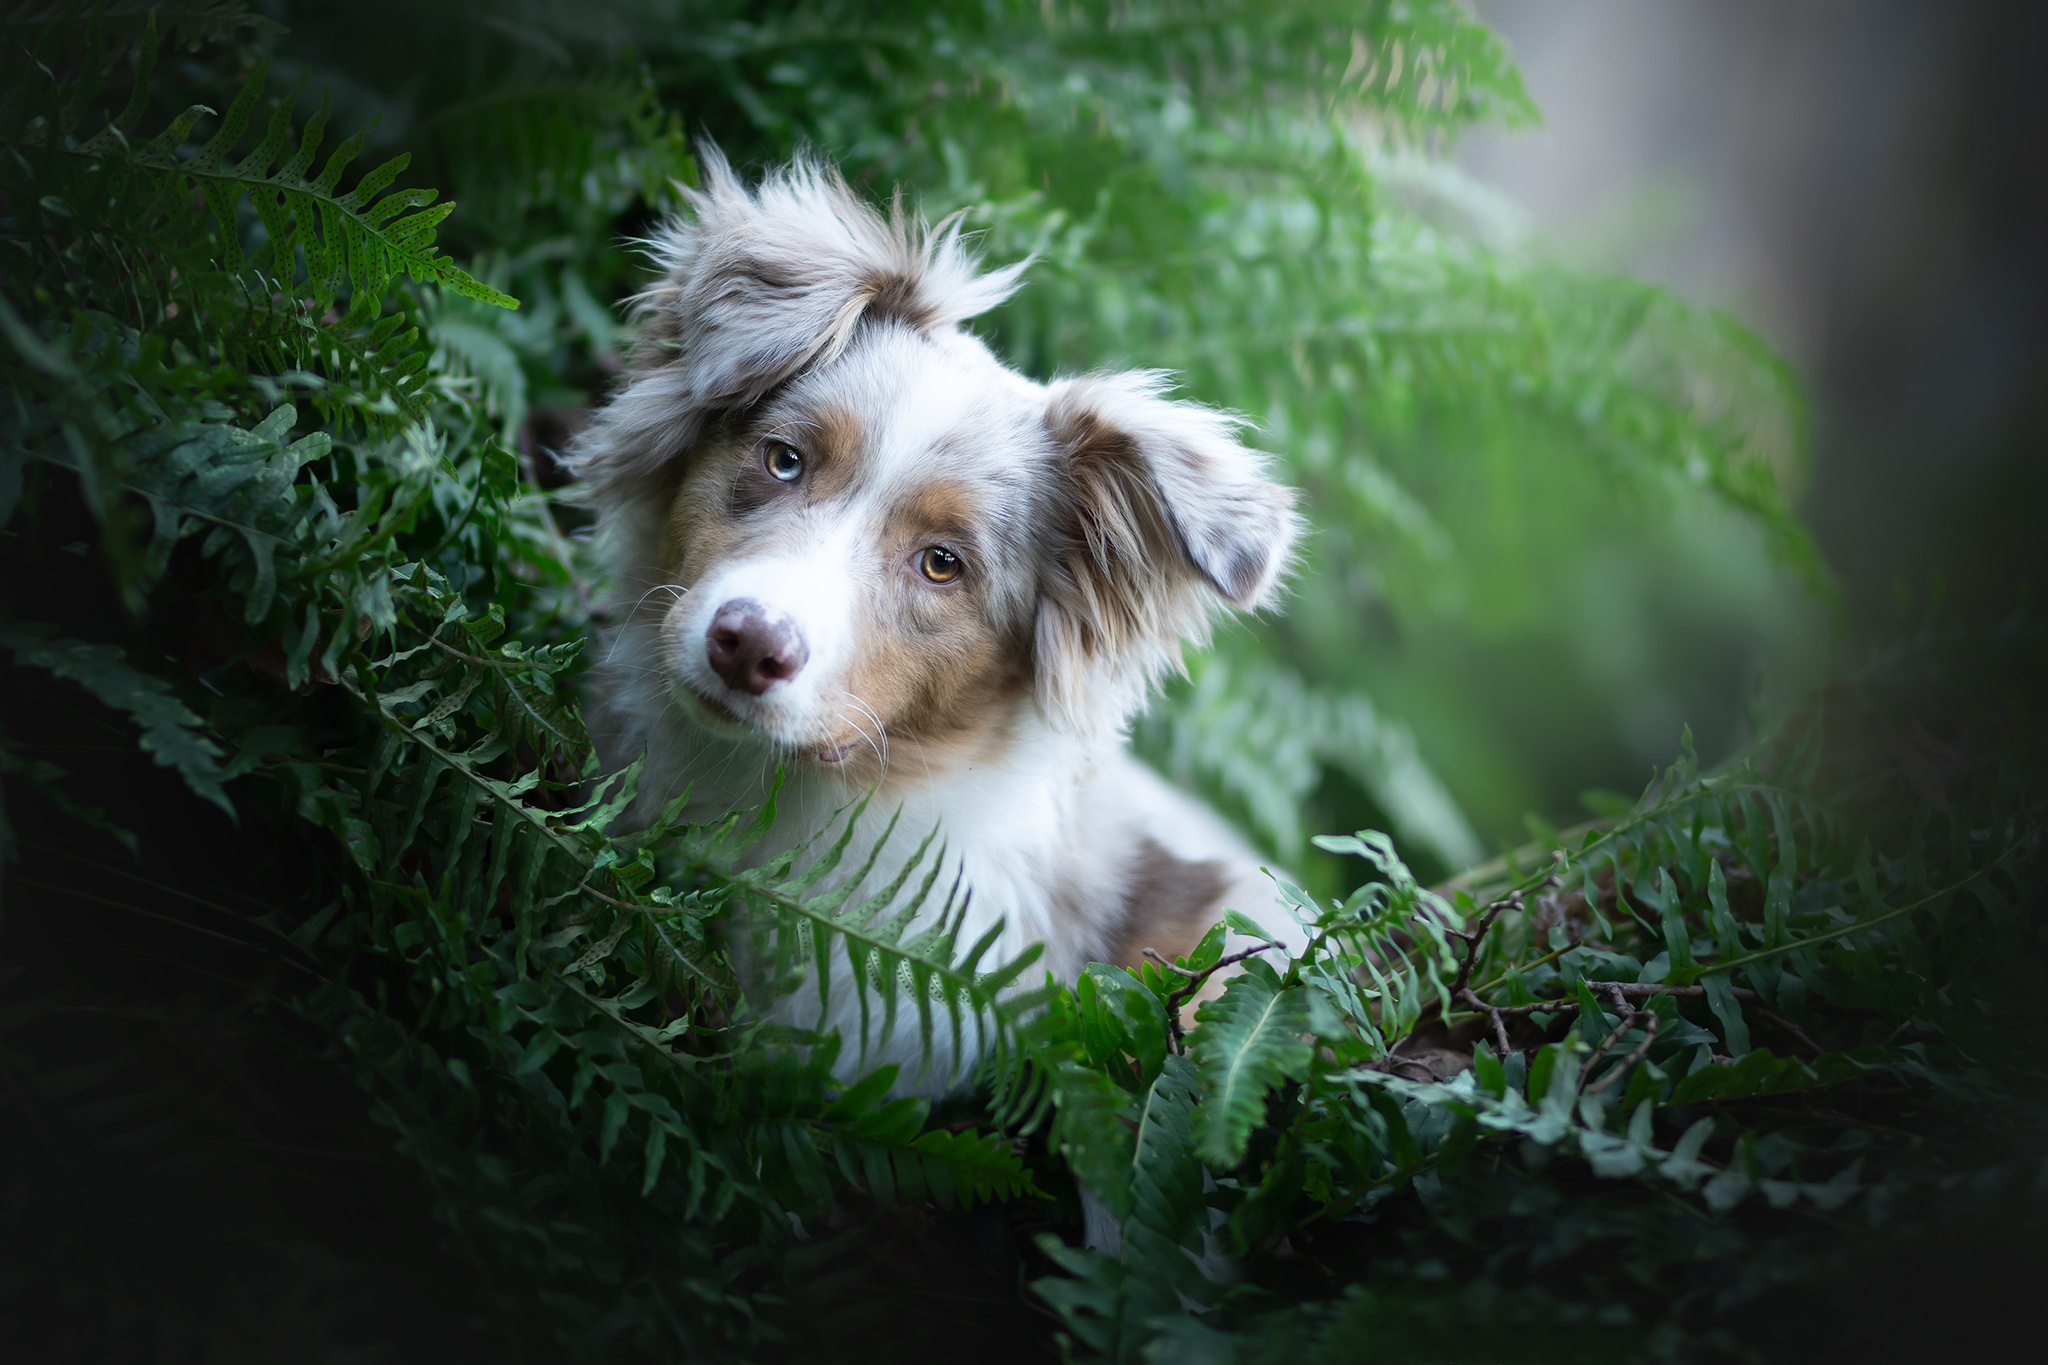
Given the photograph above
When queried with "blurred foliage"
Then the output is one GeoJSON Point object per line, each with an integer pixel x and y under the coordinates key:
{"type": "Point", "coordinates": [1552, 509]}
{"type": "Point", "coordinates": [336, 1026]}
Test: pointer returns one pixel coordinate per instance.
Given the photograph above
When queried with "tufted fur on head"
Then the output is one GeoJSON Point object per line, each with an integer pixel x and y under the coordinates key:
{"type": "Point", "coordinates": [754, 289]}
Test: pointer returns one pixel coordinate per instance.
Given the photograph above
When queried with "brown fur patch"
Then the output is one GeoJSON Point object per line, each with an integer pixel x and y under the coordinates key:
{"type": "Point", "coordinates": [1170, 904]}
{"type": "Point", "coordinates": [936, 511]}
{"type": "Point", "coordinates": [898, 296]}
{"type": "Point", "coordinates": [700, 529]}
{"type": "Point", "coordinates": [940, 675]}
{"type": "Point", "coordinates": [726, 485]}
{"type": "Point", "coordinates": [933, 664]}
{"type": "Point", "coordinates": [832, 438]}
{"type": "Point", "coordinates": [1118, 546]}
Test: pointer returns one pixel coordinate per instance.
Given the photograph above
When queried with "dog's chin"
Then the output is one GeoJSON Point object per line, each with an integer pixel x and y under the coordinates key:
{"type": "Point", "coordinates": [727, 715]}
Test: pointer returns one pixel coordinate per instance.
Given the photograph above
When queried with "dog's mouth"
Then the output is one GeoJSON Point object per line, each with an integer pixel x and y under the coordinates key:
{"type": "Point", "coordinates": [725, 717]}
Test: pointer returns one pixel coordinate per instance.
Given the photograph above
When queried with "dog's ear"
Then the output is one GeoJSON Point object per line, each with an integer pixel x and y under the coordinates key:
{"type": "Point", "coordinates": [757, 287]}
{"type": "Point", "coordinates": [1162, 512]}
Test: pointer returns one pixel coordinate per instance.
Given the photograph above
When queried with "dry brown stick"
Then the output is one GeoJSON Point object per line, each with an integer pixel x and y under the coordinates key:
{"type": "Point", "coordinates": [1622, 990]}
{"type": "Point", "coordinates": [1500, 1028]}
{"type": "Point", "coordinates": [1195, 978]}
{"type": "Point", "coordinates": [1798, 1034]}
{"type": "Point", "coordinates": [1640, 1051]}
{"type": "Point", "coordinates": [1628, 1021]}
{"type": "Point", "coordinates": [1629, 989]}
{"type": "Point", "coordinates": [1475, 938]}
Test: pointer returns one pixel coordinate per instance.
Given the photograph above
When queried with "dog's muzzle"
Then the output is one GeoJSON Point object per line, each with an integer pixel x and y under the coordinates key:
{"type": "Point", "coordinates": [752, 648]}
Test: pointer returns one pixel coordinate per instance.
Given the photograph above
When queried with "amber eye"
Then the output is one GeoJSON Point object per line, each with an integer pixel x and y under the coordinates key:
{"type": "Point", "coordinates": [939, 564]}
{"type": "Point", "coordinates": [783, 461]}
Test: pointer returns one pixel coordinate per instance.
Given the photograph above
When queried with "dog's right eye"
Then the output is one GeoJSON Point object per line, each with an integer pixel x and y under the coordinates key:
{"type": "Point", "coordinates": [784, 462]}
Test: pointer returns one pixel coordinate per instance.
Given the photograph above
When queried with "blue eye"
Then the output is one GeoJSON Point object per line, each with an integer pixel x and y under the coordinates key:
{"type": "Point", "coordinates": [783, 461]}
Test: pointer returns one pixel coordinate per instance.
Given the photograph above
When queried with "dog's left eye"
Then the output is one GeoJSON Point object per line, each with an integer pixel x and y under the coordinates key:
{"type": "Point", "coordinates": [784, 462]}
{"type": "Point", "coordinates": [939, 564]}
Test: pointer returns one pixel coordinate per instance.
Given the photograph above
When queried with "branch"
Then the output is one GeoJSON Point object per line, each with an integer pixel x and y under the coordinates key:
{"type": "Point", "coordinates": [1627, 989]}
{"type": "Point", "coordinates": [1641, 1051]}
{"type": "Point", "coordinates": [1621, 992]}
{"type": "Point", "coordinates": [1629, 1015]}
{"type": "Point", "coordinates": [1195, 981]}
{"type": "Point", "coordinates": [1798, 1034]}
{"type": "Point", "coordinates": [1474, 939]}
{"type": "Point", "coordinates": [1500, 1028]}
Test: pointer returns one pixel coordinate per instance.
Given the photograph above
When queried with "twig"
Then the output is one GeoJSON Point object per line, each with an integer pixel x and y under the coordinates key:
{"type": "Point", "coordinates": [1195, 980]}
{"type": "Point", "coordinates": [1629, 989]}
{"type": "Point", "coordinates": [1641, 1051]}
{"type": "Point", "coordinates": [1475, 938]}
{"type": "Point", "coordinates": [1629, 1014]}
{"type": "Point", "coordinates": [1500, 1028]}
{"type": "Point", "coordinates": [1623, 991]}
{"type": "Point", "coordinates": [1798, 1034]}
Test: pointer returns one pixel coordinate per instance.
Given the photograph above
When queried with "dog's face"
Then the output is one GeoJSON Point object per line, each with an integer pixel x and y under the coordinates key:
{"type": "Point", "coordinates": [874, 534]}
{"type": "Point", "coordinates": [853, 561]}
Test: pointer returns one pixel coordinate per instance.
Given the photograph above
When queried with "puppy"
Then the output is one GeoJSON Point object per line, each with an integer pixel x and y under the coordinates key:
{"type": "Point", "coordinates": [846, 542]}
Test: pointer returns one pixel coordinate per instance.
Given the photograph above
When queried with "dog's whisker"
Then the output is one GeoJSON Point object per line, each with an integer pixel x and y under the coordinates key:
{"type": "Point", "coordinates": [881, 740]}
{"type": "Point", "coordinates": [851, 713]}
{"type": "Point", "coordinates": [628, 618]}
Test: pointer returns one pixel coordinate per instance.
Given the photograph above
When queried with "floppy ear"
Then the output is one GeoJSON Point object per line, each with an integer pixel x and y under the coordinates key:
{"type": "Point", "coordinates": [756, 287]}
{"type": "Point", "coordinates": [1163, 513]}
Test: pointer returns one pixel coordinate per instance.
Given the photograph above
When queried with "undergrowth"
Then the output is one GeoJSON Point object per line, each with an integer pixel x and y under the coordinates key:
{"type": "Point", "coordinates": [314, 922]}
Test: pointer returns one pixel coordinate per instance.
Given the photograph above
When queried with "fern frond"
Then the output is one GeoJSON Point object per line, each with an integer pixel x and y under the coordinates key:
{"type": "Point", "coordinates": [353, 243]}
{"type": "Point", "coordinates": [1251, 1040]}
{"type": "Point", "coordinates": [467, 345]}
{"type": "Point", "coordinates": [171, 734]}
{"type": "Point", "coordinates": [1165, 1201]}
{"type": "Point", "coordinates": [897, 946]}
{"type": "Point", "coordinates": [1259, 736]}
{"type": "Point", "coordinates": [887, 1151]}
{"type": "Point", "coordinates": [1382, 957]}
{"type": "Point", "coordinates": [184, 24]}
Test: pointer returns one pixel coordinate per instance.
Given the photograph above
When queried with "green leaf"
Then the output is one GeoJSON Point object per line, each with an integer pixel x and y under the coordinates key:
{"type": "Point", "coordinates": [1089, 1133]}
{"type": "Point", "coordinates": [1239, 922]}
{"type": "Point", "coordinates": [171, 734]}
{"type": "Point", "coordinates": [1249, 1041]}
{"type": "Point", "coordinates": [1728, 1010]}
{"type": "Point", "coordinates": [1166, 1196]}
{"type": "Point", "coordinates": [963, 1169]}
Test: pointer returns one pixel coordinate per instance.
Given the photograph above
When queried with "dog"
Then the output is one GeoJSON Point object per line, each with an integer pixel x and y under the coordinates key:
{"type": "Point", "coordinates": [848, 545]}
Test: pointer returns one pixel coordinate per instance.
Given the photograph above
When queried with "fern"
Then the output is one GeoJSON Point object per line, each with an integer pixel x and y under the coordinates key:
{"type": "Point", "coordinates": [887, 1150]}
{"type": "Point", "coordinates": [354, 242]}
{"type": "Point", "coordinates": [1250, 1042]}
{"type": "Point", "coordinates": [291, 472]}
{"type": "Point", "coordinates": [171, 734]}
{"type": "Point", "coordinates": [1166, 1201]}
{"type": "Point", "coordinates": [1261, 737]}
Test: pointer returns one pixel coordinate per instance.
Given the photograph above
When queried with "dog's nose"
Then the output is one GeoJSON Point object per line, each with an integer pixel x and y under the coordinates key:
{"type": "Point", "coordinates": [753, 648]}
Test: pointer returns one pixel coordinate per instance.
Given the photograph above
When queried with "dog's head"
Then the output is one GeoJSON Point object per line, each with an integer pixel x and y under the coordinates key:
{"type": "Point", "coordinates": [858, 525]}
